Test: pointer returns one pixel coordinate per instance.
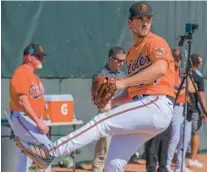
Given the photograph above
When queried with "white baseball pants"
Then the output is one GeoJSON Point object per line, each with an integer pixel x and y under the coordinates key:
{"type": "Point", "coordinates": [26, 129]}
{"type": "Point", "coordinates": [130, 126]}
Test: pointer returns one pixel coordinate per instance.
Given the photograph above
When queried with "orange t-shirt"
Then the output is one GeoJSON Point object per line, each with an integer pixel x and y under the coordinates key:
{"type": "Point", "coordinates": [24, 81]}
{"type": "Point", "coordinates": [181, 97]}
{"type": "Point", "coordinates": [144, 55]}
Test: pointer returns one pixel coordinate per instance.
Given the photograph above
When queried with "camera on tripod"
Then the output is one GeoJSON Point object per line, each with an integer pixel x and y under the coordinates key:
{"type": "Point", "coordinates": [188, 107]}
{"type": "Point", "coordinates": [190, 27]}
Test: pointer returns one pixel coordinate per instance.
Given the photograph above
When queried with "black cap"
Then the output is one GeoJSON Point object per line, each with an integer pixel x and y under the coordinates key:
{"type": "Point", "coordinates": [176, 54]}
{"type": "Point", "coordinates": [34, 49]}
{"type": "Point", "coordinates": [140, 9]}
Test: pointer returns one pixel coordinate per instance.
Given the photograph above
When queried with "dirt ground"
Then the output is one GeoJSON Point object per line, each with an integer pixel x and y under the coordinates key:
{"type": "Point", "coordinates": [138, 166]}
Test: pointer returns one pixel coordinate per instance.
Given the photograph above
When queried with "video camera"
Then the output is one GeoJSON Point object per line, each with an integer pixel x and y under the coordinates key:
{"type": "Point", "coordinates": [190, 27]}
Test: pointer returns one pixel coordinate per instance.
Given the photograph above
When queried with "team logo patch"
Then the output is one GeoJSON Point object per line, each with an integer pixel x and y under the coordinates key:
{"type": "Point", "coordinates": [143, 7]}
{"type": "Point", "coordinates": [160, 51]}
{"type": "Point", "coordinates": [33, 89]}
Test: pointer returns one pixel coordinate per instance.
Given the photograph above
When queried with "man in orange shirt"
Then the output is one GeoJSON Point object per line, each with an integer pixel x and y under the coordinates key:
{"type": "Point", "coordinates": [177, 125]}
{"type": "Point", "coordinates": [142, 112]}
{"type": "Point", "coordinates": [27, 102]}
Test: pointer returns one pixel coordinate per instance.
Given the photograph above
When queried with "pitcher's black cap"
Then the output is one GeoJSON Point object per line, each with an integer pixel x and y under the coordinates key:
{"type": "Point", "coordinates": [140, 9]}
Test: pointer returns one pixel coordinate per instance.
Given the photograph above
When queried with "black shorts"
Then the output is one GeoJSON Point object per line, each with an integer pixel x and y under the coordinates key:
{"type": "Point", "coordinates": [197, 123]}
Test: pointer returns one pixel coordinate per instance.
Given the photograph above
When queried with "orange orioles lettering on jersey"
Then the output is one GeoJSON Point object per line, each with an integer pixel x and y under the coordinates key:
{"type": "Point", "coordinates": [152, 48]}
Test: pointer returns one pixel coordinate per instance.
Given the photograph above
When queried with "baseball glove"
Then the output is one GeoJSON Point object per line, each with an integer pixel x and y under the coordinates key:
{"type": "Point", "coordinates": [103, 89]}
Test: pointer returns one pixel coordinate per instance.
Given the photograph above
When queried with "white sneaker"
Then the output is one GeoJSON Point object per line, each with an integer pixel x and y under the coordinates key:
{"type": "Point", "coordinates": [195, 163]}
{"type": "Point", "coordinates": [170, 170]}
{"type": "Point", "coordinates": [184, 170]}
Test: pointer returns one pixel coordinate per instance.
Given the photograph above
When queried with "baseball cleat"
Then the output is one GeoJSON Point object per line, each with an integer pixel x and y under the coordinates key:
{"type": "Point", "coordinates": [38, 153]}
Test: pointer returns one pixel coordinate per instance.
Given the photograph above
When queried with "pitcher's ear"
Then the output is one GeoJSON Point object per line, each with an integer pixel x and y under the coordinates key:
{"type": "Point", "coordinates": [130, 23]}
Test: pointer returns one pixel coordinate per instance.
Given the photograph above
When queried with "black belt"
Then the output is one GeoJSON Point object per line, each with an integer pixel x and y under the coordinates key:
{"type": "Point", "coordinates": [179, 104]}
{"type": "Point", "coordinates": [12, 113]}
{"type": "Point", "coordinates": [139, 96]}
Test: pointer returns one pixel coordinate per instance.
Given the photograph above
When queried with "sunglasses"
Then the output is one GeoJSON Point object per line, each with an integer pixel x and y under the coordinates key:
{"type": "Point", "coordinates": [39, 57]}
{"type": "Point", "coordinates": [118, 60]}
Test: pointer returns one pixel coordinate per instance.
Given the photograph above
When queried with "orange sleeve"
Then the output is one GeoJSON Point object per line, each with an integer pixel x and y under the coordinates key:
{"type": "Point", "coordinates": [21, 82]}
{"type": "Point", "coordinates": [160, 50]}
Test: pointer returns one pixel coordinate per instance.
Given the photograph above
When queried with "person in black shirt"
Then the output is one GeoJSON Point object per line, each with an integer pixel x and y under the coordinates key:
{"type": "Point", "coordinates": [194, 111]}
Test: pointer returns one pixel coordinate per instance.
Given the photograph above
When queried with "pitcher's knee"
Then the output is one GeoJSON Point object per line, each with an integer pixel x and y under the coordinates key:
{"type": "Point", "coordinates": [115, 165]}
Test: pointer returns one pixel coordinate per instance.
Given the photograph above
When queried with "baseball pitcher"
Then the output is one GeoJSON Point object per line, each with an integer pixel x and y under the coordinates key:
{"type": "Point", "coordinates": [143, 113]}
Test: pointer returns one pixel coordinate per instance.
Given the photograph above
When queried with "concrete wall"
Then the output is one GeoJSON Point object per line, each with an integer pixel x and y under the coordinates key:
{"type": "Point", "coordinates": [80, 89]}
